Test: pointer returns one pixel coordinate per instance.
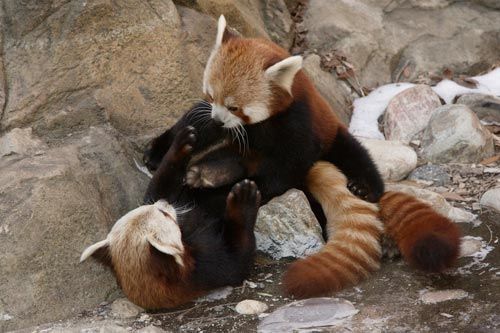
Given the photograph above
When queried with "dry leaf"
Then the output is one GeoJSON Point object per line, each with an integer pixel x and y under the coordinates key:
{"type": "Point", "coordinates": [490, 160]}
{"type": "Point", "coordinates": [452, 196]}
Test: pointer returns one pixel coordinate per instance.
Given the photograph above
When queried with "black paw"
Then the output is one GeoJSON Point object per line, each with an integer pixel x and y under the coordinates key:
{"type": "Point", "coordinates": [243, 201]}
{"type": "Point", "coordinates": [363, 191]}
{"type": "Point", "coordinates": [154, 154]}
{"type": "Point", "coordinates": [183, 144]}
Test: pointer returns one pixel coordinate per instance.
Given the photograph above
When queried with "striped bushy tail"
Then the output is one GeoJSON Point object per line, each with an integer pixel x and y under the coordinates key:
{"type": "Point", "coordinates": [352, 251]}
{"type": "Point", "coordinates": [427, 240]}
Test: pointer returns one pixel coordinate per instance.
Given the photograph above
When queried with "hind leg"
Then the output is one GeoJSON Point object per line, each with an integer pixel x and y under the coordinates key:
{"type": "Point", "coordinates": [242, 205]}
{"type": "Point", "coordinates": [355, 162]}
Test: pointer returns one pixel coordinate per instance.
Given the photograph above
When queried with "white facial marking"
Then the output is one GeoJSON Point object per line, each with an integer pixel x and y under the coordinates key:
{"type": "Point", "coordinates": [221, 113]}
{"type": "Point", "coordinates": [257, 112]}
{"type": "Point", "coordinates": [145, 224]}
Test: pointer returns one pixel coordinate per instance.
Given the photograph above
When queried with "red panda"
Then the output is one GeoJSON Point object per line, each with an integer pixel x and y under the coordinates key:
{"type": "Point", "coordinates": [260, 96]}
{"type": "Point", "coordinates": [163, 258]}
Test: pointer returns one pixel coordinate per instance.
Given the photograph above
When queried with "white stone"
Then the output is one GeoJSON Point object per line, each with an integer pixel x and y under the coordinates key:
{"type": "Point", "coordinates": [469, 246]}
{"type": "Point", "coordinates": [491, 199]}
{"type": "Point", "coordinates": [287, 227]}
{"type": "Point", "coordinates": [216, 294]}
{"type": "Point", "coordinates": [394, 159]}
{"type": "Point", "coordinates": [250, 307]}
{"type": "Point", "coordinates": [123, 308]}
{"type": "Point", "coordinates": [432, 297]}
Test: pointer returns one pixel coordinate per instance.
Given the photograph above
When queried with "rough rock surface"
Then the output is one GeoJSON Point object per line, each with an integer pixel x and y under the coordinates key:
{"type": "Point", "coordinates": [286, 227]}
{"type": "Point", "coordinates": [491, 199]}
{"type": "Point", "coordinates": [402, 40]}
{"type": "Point", "coordinates": [408, 113]}
{"type": "Point", "coordinates": [394, 159]}
{"type": "Point", "coordinates": [54, 204]}
{"type": "Point", "coordinates": [123, 308]}
{"type": "Point", "coordinates": [455, 134]}
{"type": "Point", "coordinates": [20, 141]}
{"type": "Point", "coordinates": [486, 107]}
{"type": "Point", "coordinates": [431, 173]}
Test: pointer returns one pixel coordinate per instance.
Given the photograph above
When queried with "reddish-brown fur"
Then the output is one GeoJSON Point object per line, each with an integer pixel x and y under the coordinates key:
{"type": "Point", "coordinates": [427, 240]}
{"type": "Point", "coordinates": [352, 251]}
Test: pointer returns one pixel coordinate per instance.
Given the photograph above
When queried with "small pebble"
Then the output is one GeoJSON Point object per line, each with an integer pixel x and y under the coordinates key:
{"type": "Point", "coordinates": [249, 307]}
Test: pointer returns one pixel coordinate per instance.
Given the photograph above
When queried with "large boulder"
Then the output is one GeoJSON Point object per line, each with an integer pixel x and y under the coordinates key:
{"type": "Point", "coordinates": [401, 40]}
{"type": "Point", "coordinates": [455, 134]}
{"type": "Point", "coordinates": [54, 203]}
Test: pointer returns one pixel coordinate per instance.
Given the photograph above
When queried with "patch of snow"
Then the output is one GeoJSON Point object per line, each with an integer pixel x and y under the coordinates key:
{"type": "Point", "coordinates": [488, 84]}
{"type": "Point", "coordinates": [215, 295]}
{"type": "Point", "coordinates": [368, 109]}
{"type": "Point", "coordinates": [477, 257]}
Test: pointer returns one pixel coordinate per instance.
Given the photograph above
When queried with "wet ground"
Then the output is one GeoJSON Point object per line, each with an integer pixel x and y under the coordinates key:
{"type": "Point", "coordinates": [390, 301]}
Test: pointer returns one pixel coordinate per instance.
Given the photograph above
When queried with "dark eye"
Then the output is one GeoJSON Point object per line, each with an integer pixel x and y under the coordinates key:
{"type": "Point", "coordinates": [233, 108]}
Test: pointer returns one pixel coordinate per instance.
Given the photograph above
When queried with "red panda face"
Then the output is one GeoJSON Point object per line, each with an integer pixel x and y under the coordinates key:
{"type": "Point", "coordinates": [241, 78]}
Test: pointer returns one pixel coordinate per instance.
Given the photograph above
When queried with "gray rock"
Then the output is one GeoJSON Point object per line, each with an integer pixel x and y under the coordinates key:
{"type": "Point", "coordinates": [307, 314]}
{"type": "Point", "coordinates": [20, 142]}
{"type": "Point", "coordinates": [286, 227]}
{"type": "Point", "coordinates": [455, 134]}
{"type": "Point", "coordinates": [52, 206]}
{"type": "Point", "coordinates": [408, 113]}
{"type": "Point", "coordinates": [398, 40]}
{"type": "Point", "coordinates": [278, 22]}
{"type": "Point", "coordinates": [491, 199]}
{"type": "Point", "coordinates": [430, 172]}
{"type": "Point", "coordinates": [394, 159]}
{"type": "Point", "coordinates": [430, 54]}
{"type": "Point", "coordinates": [486, 107]}
{"type": "Point", "coordinates": [122, 308]}
{"type": "Point", "coordinates": [332, 89]}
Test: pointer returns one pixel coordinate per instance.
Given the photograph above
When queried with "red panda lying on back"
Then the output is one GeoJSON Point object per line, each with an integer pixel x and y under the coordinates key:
{"type": "Point", "coordinates": [258, 94]}
{"type": "Point", "coordinates": [162, 258]}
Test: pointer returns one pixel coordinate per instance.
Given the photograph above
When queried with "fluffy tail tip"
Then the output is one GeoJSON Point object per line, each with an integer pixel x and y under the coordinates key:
{"type": "Point", "coordinates": [435, 252]}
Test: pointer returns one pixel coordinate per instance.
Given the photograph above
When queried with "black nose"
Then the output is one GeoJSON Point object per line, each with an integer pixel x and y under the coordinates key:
{"type": "Point", "coordinates": [218, 122]}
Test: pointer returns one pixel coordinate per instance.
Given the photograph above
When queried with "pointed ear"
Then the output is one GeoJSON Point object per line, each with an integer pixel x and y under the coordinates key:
{"type": "Point", "coordinates": [99, 251]}
{"type": "Point", "coordinates": [223, 34]}
{"type": "Point", "coordinates": [283, 72]}
{"type": "Point", "coordinates": [170, 249]}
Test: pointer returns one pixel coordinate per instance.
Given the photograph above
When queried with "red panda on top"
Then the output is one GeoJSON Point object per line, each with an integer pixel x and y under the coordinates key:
{"type": "Point", "coordinates": [259, 94]}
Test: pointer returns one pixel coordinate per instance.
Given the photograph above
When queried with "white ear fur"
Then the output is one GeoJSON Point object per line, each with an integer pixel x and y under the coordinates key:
{"type": "Point", "coordinates": [283, 72]}
{"type": "Point", "coordinates": [221, 27]}
{"type": "Point", "coordinates": [174, 251]}
{"type": "Point", "coordinates": [92, 248]}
